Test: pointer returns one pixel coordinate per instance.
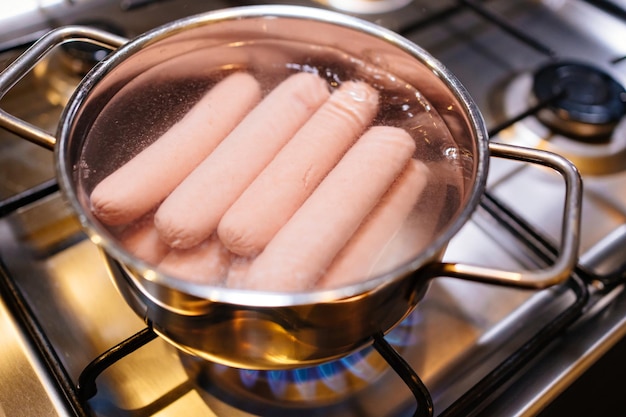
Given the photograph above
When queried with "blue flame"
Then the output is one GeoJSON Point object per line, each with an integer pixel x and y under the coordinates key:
{"type": "Point", "coordinates": [333, 375]}
{"type": "Point", "coordinates": [404, 334]}
{"type": "Point", "coordinates": [358, 366]}
{"type": "Point", "coordinates": [277, 382]}
{"type": "Point", "coordinates": [249, 377]}
{"type": "Point", "coordinates": [305, 380]}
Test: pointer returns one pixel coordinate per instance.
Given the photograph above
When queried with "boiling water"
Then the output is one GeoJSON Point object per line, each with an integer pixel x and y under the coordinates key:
{"type": "Point", "coordinates": [155, 100]}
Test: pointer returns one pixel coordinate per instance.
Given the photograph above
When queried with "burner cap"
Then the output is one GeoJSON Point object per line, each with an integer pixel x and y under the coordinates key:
{"type": "Point", "coordinates": [591, 101]}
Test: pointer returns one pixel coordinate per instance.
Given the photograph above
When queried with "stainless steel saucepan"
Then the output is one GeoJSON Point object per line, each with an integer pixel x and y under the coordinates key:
{"type": "Point", "coordinates": [277, 330]}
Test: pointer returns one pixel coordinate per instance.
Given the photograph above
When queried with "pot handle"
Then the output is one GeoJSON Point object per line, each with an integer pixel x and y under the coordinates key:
{"type": "Point", "coordinates": [25, 62]}
{"type": "Point", "coordinates": [560, 270]}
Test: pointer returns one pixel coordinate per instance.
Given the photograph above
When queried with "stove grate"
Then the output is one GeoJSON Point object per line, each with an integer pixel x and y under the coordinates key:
{"type": "Point", "coordinates": [77, 396]}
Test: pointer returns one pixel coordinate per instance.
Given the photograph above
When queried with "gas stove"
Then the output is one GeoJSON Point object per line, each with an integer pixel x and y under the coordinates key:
{"type": "Point", "coordinates": [479, 349]}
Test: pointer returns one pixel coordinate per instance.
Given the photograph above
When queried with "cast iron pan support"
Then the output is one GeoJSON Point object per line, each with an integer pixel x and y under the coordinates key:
{"type": "Point", "coordinates": [87, 387]}
{"type": "Point", "coordinates": [408, 375]}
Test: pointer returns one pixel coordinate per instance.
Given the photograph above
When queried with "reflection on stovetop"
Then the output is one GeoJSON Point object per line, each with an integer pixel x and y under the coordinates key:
{"type": "Point", "coordinates": [459, 332]}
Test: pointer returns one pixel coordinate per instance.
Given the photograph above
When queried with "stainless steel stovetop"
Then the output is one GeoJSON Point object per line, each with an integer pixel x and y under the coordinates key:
{"type": "Point", "coordinates": [60, 309]}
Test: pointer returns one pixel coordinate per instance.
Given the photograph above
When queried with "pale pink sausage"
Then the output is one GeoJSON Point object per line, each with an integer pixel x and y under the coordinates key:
{"type": "Point", "coordinates": [206, 263]}
{"type": "Point", "coordinates": [302, 250]}
{"type": "Point", "coordinates": [358, 258]}
{"type": "Point", "coordinates": [139, 185]}
{"type": "Point", "coordinates": [410, 240]}
{"type": "Point", "coordinates": [238, 268]}
{"type": "Point", "coordinates": [281, 188]}
{"type": "Point", "coordinates": [193, 210]}
{"type": "Point", "coordinates": [142, 240]}
{"type": "Point", "coordinates": [425, 222]}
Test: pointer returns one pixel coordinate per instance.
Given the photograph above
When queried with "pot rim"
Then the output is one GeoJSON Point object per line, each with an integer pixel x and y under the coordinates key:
{"type": "Point", "coordinates": [253, 298]}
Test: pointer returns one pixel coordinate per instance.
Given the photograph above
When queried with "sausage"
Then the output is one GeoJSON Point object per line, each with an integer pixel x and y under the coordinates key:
{"type": "Point", "coordinates": [140, 184]}
{"type": "Point", "coordinates": [432, 213]}
{"type": "Point", "coordinates": [206, 263]}
{"type": "Point", "coordinates": [193, 210]}
{"type": "Point", "coordinates": [281, 188]}
{"type": "Point", "coordinates": [142, 240]}
{"type": "Point", "coordinates": [302, 250]}
{"type": "Point", "coordinates": [239, 266]}
{"type": "Point", "coordinates": [358, 258]}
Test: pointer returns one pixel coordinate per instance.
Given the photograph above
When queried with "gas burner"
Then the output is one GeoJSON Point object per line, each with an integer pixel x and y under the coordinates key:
{"type": "Point", "coordinates": [602, 150]}
{"type": "Point", "coordinates": [312, 387]}
{"type": "Point", "coordinates": [590, 101]}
